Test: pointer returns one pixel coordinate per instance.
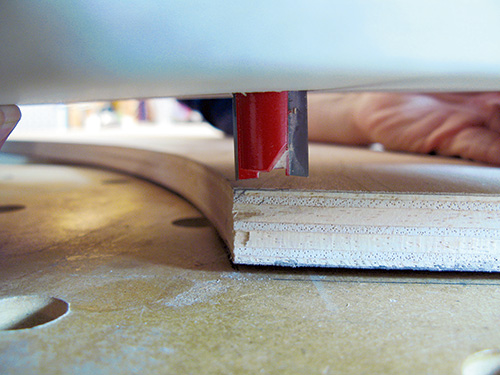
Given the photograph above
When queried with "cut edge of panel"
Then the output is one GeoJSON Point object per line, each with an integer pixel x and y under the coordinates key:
{"type": "Point", "coordinates": [368, 231]}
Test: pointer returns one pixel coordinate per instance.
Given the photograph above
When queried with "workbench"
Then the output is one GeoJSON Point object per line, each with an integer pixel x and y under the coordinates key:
{"type": "Point", "coordinates": [150, 289]}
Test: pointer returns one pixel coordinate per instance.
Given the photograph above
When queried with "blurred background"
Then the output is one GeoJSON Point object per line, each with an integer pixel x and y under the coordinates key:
{"type": "Point", "coordinates": [163, 116]}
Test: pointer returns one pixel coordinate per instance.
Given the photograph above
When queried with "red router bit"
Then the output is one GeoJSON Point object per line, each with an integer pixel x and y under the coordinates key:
{"type": "Point", "coordinates": [270, 132]}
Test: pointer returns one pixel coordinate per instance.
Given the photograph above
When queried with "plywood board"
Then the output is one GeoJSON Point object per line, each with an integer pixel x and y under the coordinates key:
{"type": "Point", "coordinates": [359, 208]}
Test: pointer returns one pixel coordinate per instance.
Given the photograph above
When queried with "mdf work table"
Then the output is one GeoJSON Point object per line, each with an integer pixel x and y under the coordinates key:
{"type": "Point", "coordinates": [150, 289]}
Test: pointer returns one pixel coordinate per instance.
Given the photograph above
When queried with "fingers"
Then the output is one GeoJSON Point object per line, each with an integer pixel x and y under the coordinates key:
{"type": "Point", "coordinates": [465, 125]}
{"type": "Point", "coordinates": [489, 105]}
{"type": "Point", "coordinates": [455, 124]}
{"type": "Point", "coordinates": [9, 117]}
{"type": "Point", "coordinates": [475, 143]}
{"type": "Point", "coordinates": [450, 125]}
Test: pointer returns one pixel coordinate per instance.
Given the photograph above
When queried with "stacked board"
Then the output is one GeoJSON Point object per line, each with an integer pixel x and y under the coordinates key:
{"type": "Point", "coordinates": [358, 209]}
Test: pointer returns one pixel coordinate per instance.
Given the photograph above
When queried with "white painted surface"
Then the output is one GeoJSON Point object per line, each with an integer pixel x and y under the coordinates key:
{"type": "Point", "coordinates": [60, 51]}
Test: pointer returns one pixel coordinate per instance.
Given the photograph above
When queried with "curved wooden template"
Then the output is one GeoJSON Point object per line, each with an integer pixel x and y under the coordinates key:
{"type": "Point", "coordinates": [206, 189]}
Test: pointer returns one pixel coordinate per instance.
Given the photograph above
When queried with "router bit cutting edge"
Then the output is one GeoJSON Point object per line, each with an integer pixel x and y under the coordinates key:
{"type": "Point", "coordinates": [270, 131]}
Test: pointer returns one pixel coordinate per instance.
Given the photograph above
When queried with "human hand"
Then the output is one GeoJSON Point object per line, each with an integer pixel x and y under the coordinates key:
{"type": "Point", "coordinates": [9, 117]}
{"type": "Point", "coordinates": [465, 125]}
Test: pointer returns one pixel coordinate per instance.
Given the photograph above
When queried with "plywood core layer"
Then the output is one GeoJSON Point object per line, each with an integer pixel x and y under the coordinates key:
{"type": "Point", "coordinates": [378, 230]}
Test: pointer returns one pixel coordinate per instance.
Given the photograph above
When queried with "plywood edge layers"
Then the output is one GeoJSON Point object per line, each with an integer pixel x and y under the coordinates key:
{"type": "Point", "coordinates": [370, 230]}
